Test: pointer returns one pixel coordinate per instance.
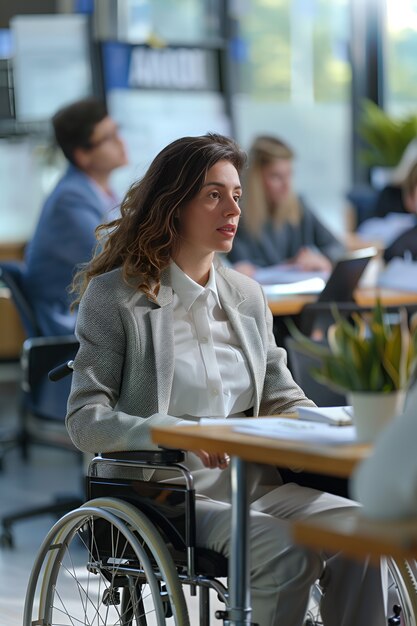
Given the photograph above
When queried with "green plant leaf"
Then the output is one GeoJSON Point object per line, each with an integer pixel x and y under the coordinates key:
{"type": "Point", "coordinates": [385, 138]}
{"type": "Point", "coordinates": [366, 353]}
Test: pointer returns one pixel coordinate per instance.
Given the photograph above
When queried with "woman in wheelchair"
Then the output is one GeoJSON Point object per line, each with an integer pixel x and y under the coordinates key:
{"type": "Point", "coordinates": [168, 334]}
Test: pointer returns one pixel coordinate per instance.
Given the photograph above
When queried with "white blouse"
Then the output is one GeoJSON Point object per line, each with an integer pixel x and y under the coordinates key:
{"type": "Point", "coordinates": [211, 373]}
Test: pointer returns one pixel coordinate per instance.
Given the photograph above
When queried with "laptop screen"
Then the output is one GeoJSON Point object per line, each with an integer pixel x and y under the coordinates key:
{"type": "Point", "coordinates": [345, 276]}
{"type": "Point", "coordinates": [339, 285]}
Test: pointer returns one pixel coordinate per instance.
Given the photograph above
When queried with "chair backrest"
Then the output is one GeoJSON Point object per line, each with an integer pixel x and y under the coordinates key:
{"type": "Point", "coordinates": [300, 365]}
{"type": "Point", "coordinates": [318, 315]}
{"type": "Point", "coordinates": [11, 275]}
{"type": "Point", "coordinates": [46, 401]}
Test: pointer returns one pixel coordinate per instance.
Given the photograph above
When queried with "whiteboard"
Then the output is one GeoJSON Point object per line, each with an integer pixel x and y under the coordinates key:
{"type": "Point", "coordinates": [51, 63]}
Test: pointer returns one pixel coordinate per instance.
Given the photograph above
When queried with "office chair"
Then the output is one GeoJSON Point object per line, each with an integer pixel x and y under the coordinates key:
{"type": "Point", "coordinates": [43, 419]}
{"type": "Point", "coordinates": [319, 316]}
{"type": "Point", "coordinates": [42, 405]}
{"type": "Point", "coordinates": [11, 275]}
{"type": "Point", "coordinates": [300, 365]}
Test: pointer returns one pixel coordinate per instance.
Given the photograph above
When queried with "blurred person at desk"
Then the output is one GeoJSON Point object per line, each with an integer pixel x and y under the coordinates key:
{"type": "Point", "coordinates": [393, 198]}
{"type": "Point", "coordinates": [277, 226]}
{"type": "Point", "coordinates": [405, 244]}
{"type": "Point", "coordinates": [394, 226]}
{"type": "Point", "coordinates": [168, 335]}
{"type": "Point", "coordinates": [82, 199]}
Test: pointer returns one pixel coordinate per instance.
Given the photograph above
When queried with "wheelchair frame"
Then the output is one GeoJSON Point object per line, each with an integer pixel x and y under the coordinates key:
{"type": "Point", "coordinates": [149, 549]}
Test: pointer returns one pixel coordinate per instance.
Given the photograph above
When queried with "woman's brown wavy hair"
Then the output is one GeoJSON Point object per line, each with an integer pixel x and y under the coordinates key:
{"type": "Point", "coordinates": [145, 238]}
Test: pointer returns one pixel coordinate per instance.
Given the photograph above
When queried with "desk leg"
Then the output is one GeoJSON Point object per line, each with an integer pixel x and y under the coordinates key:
{"type": "Point", "coordinates": [239, 572]}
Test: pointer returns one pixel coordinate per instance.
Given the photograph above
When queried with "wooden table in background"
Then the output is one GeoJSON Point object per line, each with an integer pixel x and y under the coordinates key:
{"type": "Point", "coordinates": [12, 334]}
{"type": "Point", "coordinates": [293, 305]}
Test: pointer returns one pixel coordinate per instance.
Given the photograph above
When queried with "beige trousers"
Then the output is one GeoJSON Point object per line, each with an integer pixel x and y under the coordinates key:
{"type": "Point", "coordinates": [282, 574]}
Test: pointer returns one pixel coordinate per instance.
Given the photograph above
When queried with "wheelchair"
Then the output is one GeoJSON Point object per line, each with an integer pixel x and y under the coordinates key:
{"type": "Point", "coordinates": [124, 556]}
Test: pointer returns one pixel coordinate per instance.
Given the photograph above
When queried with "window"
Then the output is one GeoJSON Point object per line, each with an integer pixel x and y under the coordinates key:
{"type": "Point", "coordinates": [295, 83]}
{"type": "Point", "coordinates": [400, 56]}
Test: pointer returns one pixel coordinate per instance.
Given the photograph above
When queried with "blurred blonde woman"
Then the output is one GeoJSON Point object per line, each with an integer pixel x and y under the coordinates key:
{"type": "Point", "coordinates": [276, 224]}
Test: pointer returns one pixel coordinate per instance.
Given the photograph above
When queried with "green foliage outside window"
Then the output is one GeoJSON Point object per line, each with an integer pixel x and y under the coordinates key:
{"type": "Point", "coordinates": [266, 29]}
{"type": "Point", "coordinates": [273, 54]}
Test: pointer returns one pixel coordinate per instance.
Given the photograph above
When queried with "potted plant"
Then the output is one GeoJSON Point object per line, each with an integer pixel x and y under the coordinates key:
{"type": "Point", "coordinates": [384, 138]}
{"type": "Point", "coordinates": [368, 358]}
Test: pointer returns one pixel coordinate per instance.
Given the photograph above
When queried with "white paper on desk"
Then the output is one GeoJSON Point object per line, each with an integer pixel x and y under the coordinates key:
{"type": "Point", "coordinates": [310, 286]}
{"type": "Point", "coordinates": [334, 415]}
{"type": "Point", "coordinates": [283, 273]}
{"type": "Point", "coordinates": [297, 430]}
{"type": "Point", "coordinates": [386, 229]}
{"type": "Point", "coordinates": [232, 421]}
{"type": "Point", "coordinates": [399, 274]}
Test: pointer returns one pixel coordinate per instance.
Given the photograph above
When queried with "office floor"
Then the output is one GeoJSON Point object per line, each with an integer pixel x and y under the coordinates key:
{"type": "Point", "coordinates": [48, 473]}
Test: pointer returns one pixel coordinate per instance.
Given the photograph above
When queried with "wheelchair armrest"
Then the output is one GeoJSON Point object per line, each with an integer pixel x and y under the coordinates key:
{"type": "Point", "coordinates": [157, 457]}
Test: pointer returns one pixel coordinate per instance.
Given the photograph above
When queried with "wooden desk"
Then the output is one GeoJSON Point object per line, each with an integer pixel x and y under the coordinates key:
{"type": "Point", "coordinates": [325, 459]}
{"type": "Point", "coordinates": [243, 449]}
{"type": "Point", "coordinates": [12, 333]}
{"type": "Point", "coordinates": [359, 537]}
{"type": "Point", "coordinates": [293, 305]}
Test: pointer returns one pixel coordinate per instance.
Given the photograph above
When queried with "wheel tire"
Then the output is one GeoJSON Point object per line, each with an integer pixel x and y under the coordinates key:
{"type": "Point", "coordinates": [402, 591]}
{"type": "Point", "coordinates": [77, 577]}
{"type": "Point", "coordinates": [151, 539]}
{"type": "Point", "coordinates": [403, 581]}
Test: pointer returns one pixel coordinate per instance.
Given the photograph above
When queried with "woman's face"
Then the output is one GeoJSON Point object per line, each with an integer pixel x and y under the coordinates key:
{"type": "Point", "coordinates": [276, 178]}
{"type": "Point", "coordinates": [209, 221]}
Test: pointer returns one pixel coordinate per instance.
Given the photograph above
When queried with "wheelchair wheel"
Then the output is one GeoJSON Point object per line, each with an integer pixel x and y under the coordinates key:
{"type": "Point", "coordinates": [313, 615]}
{"type": "Point", "coordinates": [92, 568]}
{"type": "Point", "coordinates": [156, 548]}
{"type": "Point", "coordinates": [402, 592]}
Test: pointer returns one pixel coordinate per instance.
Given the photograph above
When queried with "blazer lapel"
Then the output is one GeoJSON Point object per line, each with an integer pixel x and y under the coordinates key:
{"type": "Point", "coordinates": [161, 319]}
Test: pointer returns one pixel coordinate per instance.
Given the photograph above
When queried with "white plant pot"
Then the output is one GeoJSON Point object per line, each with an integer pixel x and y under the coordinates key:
{"type": "Point", "coordinates": [373, 410]}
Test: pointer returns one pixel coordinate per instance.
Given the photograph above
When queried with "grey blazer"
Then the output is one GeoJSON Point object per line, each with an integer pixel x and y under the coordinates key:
{"type": "Point", "coordinates": [124, 368]}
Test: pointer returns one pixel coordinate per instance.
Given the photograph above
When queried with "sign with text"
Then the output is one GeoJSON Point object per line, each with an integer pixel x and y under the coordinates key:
{"type": "Point", "coordinates": [142, 67]}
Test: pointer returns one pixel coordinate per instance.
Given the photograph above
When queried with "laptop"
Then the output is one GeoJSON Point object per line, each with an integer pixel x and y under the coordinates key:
{"type": "Point", "coordinates": [338, 286]}
{"type": "Point", "coordinates": [345, 276]}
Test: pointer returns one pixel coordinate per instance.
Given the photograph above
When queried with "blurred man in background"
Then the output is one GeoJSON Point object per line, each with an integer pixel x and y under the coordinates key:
{"type": "Point", "coordinates": [82, 199]}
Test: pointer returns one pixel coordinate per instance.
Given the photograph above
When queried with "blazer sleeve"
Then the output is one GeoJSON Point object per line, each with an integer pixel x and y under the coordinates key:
{"type": "Point", "coordinates": [93, 420]}
{"type": "Point", "coordinates": [281, 394]}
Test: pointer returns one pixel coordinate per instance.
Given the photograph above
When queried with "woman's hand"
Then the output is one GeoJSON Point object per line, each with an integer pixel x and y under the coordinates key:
{"type": "Point", "coordinates": [213, 459]}
{"type": "Point", "coordinates": [311, 260]}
